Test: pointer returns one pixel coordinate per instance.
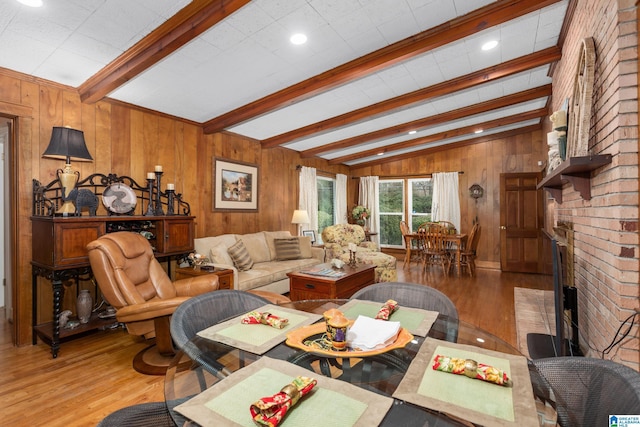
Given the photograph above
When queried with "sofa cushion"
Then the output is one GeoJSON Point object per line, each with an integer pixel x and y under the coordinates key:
{"type": "Point", "coordinates": [240, 256]}
{"type": "Point", "coordinates": [287, 248]}
{"type": "Point", "coordinates": [203, 245]}
{"type": "Point", "coordinates": [256, 245]}
{"type": "Point", "coordinates": [265, 273]}
{"type": "Point", "coordinates": [305, 247]}
{"type": "Point", "coordinates": [219, 255]}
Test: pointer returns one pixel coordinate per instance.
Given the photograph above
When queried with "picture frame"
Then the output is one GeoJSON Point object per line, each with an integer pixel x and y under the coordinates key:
{"type": "Point", "coordinates": [311, 234]}
{"type": "Point", "coordinates": [235, 186]}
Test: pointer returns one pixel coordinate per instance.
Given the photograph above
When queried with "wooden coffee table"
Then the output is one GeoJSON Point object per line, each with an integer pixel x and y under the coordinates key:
{"type": "Point", "coordinates": [311, 286]}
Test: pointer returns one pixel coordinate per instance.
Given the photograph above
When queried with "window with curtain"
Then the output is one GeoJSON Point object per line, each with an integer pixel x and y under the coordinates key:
{"type": "Point", "coordinates": [326, 202]}
{"type": "Point", "coordinates": [403, 199]}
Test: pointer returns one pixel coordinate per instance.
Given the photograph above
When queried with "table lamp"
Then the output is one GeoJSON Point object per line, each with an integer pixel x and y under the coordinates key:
{"type": "Point", "coordinates": [67, 144]}
{"type": "Point", "coordinates": [300, 217]}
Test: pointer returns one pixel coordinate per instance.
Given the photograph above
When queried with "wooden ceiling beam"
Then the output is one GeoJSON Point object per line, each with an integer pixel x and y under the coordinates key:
{"type": "Point", "coordinates": [191, 21]}
{"type": "Point", "coordinates": [491, 15]}
{"type": "Point", "coordinates": [427, 151]}
{"type": "Point", "coordinates": [453, 133]}
{"type": "Point", "coordinates": [417, 125]}
{"type": "Point", "coordinates": [467, 81]}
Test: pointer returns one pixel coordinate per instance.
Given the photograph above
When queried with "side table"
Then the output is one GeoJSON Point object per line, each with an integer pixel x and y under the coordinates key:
{"type": "Point", "coordinates": [225, 275]}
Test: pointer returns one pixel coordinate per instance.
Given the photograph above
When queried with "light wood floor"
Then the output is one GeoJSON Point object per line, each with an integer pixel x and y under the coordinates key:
{"type": "Point", "coordinates": [92, 376]}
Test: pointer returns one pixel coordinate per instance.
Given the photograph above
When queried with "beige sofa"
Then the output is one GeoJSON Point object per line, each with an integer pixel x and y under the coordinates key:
{"type": "Point", "coordinates": [270, 264]}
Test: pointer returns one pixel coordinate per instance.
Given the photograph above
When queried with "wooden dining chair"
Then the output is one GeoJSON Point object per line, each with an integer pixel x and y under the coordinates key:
{"type": "Point", "coordinates": [468, 254]}
{"type": "Point", "coordinates": [408, 241]}
{"type": "Point", "coordinates": [432, 239]}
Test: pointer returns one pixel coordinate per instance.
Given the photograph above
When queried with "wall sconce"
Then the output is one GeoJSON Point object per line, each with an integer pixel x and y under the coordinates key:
{"type": "Point", "coordinates": [67, 144]}
{"type": "Point", "coordinates": [300, 217]}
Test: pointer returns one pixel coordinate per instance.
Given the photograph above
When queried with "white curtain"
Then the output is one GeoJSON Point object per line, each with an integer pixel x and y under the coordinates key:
{"type": "Point", "coordinates": [446, 200]}
{"type": "Point", "coordinates": [341, 198]}
{"type": "Point", "coordinates": [308, 197]}
{"type": "Point", "coordinates": [368, 196]}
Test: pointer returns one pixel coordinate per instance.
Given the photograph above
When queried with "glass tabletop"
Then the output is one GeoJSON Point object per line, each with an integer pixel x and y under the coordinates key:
{"type": "Point", "coordinates": [204, 362]}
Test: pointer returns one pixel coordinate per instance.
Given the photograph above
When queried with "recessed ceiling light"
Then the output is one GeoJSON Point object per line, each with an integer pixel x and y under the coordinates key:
{"type": "Point", "coordinates": [298, 38]}
{"type": "Point", "coordinates": [478, 131]}
{"type": "Point", "coordinates": [490, 45]}
{"type": "Point", "coordinates": [411, 132]}
{"type": "Point", "coordinates": [31, 3]}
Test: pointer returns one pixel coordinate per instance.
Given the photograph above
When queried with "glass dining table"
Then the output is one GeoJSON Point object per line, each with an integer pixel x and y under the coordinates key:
{"type": "Point", "coordinates": [205, 362]}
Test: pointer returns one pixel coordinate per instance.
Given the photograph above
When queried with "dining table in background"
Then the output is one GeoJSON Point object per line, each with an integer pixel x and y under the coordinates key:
{"type": "Point", "coordinates": [211, 361]}
{"type": "Point", "coordinates": [458, 240]}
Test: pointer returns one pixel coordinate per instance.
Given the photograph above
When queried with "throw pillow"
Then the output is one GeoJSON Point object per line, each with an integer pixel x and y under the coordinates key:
{"type": "Point", "coordinates": [218, 255]}
{"type": "Point", "coordinates": [305, 247]}
{"type": "Point", "coordinates": [240, 256]}
{"type": "Point", "coordinates": [287, 248]}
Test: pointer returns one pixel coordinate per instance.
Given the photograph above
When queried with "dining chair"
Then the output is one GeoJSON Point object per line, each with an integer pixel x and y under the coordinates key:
{"type": "Point", "coordinates": [469, 252]}
{"type": "Point", "coordinates": [151, 414]}
{"type": "Point", "coordinates": [404, 229]}
{"type": "Point", "coordinates": [416, 296]}
{"type": "Point", "coordinates": [205, 310]}
{"type": "Point", "coordinates": [587, 390]}
{"type": "Point", "coordinates": [433, 245]}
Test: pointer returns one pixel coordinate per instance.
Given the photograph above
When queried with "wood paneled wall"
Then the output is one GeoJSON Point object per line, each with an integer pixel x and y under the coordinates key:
{"type": "Point", "coordinates": [481, 164]}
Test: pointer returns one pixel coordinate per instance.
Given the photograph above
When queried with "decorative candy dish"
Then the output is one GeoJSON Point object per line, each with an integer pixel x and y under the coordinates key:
{"type": "Point", "coordinates": [312, 339]}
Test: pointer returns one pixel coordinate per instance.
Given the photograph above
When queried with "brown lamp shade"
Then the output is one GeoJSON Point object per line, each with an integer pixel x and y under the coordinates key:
{"type": "Point", "coordinates": [67, 144]}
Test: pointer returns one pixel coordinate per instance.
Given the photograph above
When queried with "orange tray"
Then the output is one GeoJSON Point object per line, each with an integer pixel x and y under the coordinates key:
{"type": "Point", "coordinates": [298, 337]}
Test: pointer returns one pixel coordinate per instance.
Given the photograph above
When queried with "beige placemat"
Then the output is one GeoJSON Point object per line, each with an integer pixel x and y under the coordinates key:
{"type": "Point", "coordinates": [330, 403]}
{"type": "Point", "coordinates": [470, 399]}
{"type": "Point", "coordinates": [258, 339]}
{"type": "Point", "coordinates": [415, 320]}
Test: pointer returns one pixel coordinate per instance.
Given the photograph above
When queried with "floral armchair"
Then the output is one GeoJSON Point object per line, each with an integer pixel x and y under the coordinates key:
{"type": "Point", "coordinates": [336, 239]}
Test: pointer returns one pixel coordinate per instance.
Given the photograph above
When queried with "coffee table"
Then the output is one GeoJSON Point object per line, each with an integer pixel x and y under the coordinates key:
{"type": "Point", "coordinates": [303, 286]}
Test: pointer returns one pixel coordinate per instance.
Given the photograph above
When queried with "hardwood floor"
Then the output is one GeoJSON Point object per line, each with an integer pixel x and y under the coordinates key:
{"type": "Point", "coordinates": [93, 377]}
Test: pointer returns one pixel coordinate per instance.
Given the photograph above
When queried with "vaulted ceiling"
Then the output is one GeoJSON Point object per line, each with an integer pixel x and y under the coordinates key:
{"type": "Point", "coordinates": [376, 79]}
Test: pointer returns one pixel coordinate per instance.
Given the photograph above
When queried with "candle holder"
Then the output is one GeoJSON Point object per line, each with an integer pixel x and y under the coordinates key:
{"type": "Point", "coordinates": [150, 210]}
{"type": "Point", "coordinates": [170, 198]}
{"type": "Point", "coordinates": [352, 259]}
{"type": "Point", "coordinates": [158, 208]}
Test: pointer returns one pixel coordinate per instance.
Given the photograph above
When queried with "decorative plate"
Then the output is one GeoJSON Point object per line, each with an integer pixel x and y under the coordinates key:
{"type": "Point", "coordinates": [310, 339]}
{"type": "Point", "coordinates": [119, 198]}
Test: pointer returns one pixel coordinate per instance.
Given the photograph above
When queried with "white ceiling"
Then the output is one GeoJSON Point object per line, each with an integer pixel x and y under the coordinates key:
{"type": "Point", "coordinates": [248, 56]}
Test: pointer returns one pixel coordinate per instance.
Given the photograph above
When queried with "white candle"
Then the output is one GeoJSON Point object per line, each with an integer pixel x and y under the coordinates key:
{"type": "Point", "coordinates": [352, 247]}
{"type": "Point", "coordinates": [158, 168]}
{"type": "Point", "coordinates": [170, 187]}
{"type": "Point", "coordinates": [151, 175]}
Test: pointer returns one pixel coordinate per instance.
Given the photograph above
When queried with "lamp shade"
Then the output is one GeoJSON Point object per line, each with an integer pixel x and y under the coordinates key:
{"type": "Point", "coordinates": [300, 217]}
{"type": "Point", "coordinates": [67, 144]}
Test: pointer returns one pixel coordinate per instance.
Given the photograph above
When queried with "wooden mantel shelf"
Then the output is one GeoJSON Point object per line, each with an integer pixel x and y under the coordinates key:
{"type": "Point", "coordinates": [577, 171]}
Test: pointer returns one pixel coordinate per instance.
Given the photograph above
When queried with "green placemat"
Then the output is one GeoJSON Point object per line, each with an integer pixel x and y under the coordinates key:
{"type": "Point", "coordinates": [414, 320]}
{"type": "Point", "coordinates": [330, 403]}
{"type": "Point", "coordinates": [470, 399]}
{"type": "Point", "coordinates": [258, 339]}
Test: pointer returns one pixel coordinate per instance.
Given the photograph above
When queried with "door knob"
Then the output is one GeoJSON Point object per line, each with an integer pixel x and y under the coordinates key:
{"type": "Point", "coordinates": [503, 227]}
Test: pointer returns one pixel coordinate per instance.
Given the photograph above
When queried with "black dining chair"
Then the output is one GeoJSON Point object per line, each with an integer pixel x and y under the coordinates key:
{"type": "Point", "coordinates": [587, 390]}
{"type": "Point", "coordinates": [416, 296]}
{"type": "Point", "coordinates": [198, 313]}
{"type": "Point", "coordinates": [151, 414]}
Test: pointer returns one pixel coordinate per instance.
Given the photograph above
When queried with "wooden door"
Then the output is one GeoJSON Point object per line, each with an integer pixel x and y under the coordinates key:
{"type": "Point", "coordinates": [521, 222]}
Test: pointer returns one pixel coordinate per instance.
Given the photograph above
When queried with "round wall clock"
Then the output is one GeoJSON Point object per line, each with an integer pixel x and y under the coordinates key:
{"type": "Point", "coordinates": [119, 198]}
{"type": "Point", "coordinates": [476, 191]}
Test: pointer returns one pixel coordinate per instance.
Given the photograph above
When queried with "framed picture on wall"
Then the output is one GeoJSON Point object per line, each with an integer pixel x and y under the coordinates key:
{"type": "Point", "coordinates": [311, 234]}
{"type": "Point", "coordinates": [235, 186]}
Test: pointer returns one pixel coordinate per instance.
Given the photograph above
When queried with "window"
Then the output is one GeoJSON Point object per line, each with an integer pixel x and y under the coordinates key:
{"type": "Point", "coordinates": [403, 199]}
{"type": "Point", "coordinates": [326, 202]}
